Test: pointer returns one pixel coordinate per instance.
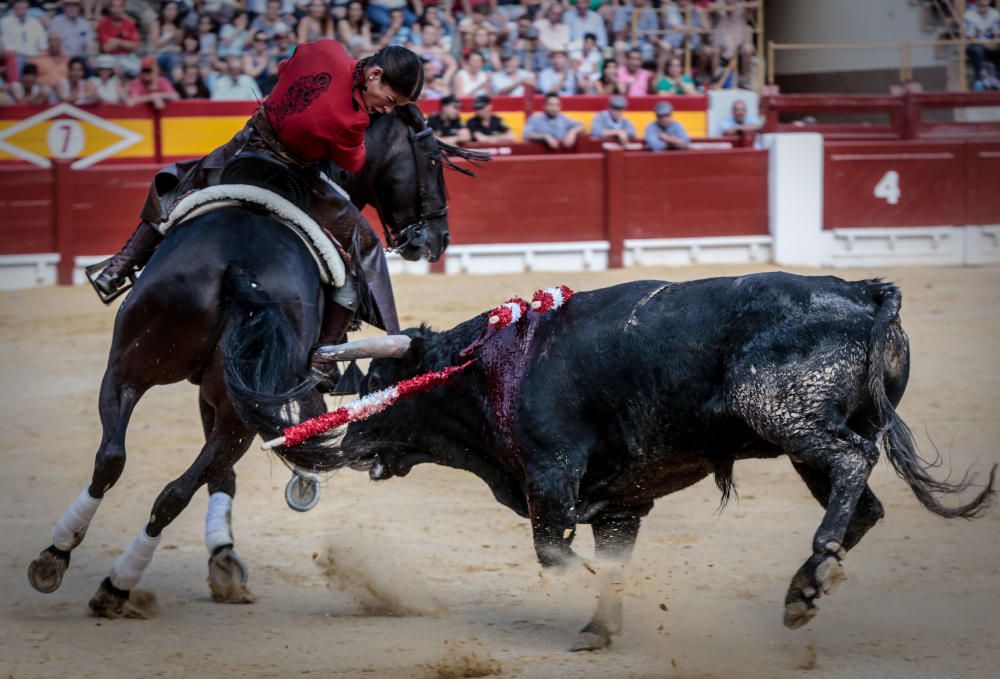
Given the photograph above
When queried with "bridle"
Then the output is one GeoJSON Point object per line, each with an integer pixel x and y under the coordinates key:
{"type": "Point", "coordinates": [412, 231]}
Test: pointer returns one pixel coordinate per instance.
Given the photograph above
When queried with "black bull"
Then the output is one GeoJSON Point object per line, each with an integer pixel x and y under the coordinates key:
{"type": "Point", "coordinates": [589, 413]}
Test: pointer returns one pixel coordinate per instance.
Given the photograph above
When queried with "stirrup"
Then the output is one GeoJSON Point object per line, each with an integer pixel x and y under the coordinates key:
{"type": "Point", "coordinates": [337, 383]}
{"type": "Point", "coordinates": [95, 270]}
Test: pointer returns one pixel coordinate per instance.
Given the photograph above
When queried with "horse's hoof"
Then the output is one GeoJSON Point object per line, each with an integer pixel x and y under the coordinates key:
{"type": "Point", "coordinates": [590, 641]}
{"type": "Point", "coordinates": [227, 577]}
{"type": "Point", "coordinates": [829, 574]}
{"type": "Point", "coordinates": [799, 613]}
{"type": "Point", "coordinates": [111, 602]}
{"type": "Point", "coordinates": [46, 572]}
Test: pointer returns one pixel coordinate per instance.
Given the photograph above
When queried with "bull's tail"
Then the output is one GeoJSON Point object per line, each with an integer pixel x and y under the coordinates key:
{"type": "Point", "coordinates": [894, 436]}
{"type": "Point", "coordinates": [266, 371]}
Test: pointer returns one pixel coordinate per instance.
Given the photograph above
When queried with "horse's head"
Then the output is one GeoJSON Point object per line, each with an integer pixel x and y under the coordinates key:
{"type": "Point", "coordinates": [405, 182]}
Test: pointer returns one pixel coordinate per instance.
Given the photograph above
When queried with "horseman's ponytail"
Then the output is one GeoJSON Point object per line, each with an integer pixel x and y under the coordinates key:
{"type": "Point", "coordinates": [402, 70]}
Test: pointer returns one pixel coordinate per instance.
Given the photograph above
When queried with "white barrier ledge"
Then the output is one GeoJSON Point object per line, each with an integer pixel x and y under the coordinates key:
{"type": "Point", "coordinates": [28, 271]}
{"type": "Point", "coordinates": [522, 257]}
{"type": "Point", "coordinates": [982, 244]}
{"type": "Point", "coordinates": [895, 246]}
{"type": "Point", "coordinates": [687, 251]}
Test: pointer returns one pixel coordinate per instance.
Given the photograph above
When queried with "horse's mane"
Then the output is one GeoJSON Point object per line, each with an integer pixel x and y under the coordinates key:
{"type": "Point", "coordinates": [477, 158]}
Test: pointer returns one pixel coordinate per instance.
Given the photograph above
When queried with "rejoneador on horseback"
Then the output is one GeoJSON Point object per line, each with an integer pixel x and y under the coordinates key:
{"type": "Point", "coordinates": [316, 115]}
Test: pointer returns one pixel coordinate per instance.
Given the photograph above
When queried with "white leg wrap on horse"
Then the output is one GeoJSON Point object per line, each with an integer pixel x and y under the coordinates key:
{"type": "Point", "coordinates": [72, 526]}
{"type": "Point", "coordinates": [217, 521]}
{"type": "Point", "coordinates": [128, 567]}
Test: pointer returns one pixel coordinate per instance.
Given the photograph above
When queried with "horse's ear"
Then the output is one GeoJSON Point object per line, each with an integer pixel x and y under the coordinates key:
{"type": "Point", "coordinates": [412, 116]}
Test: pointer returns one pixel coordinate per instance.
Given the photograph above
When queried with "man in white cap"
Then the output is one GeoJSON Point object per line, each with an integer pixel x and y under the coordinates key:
{"type": "Point", "coordinates": [665, 133]}
{"type": "Point", "coordinates": [612, 125]}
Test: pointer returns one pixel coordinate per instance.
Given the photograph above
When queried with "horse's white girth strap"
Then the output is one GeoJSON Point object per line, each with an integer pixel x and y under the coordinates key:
{"type": "Point", "coordinates": [331, 266]}
{"type": "Point", "coordinates": [72, 526]}
{"type": "Point", "coordinates": [129, 567]}
{"type": "Point", "coordinates": [218, 521]}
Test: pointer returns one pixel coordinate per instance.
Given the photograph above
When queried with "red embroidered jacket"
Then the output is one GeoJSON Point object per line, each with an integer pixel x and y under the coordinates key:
{"type": "Point", "coordinates": [311, 109]}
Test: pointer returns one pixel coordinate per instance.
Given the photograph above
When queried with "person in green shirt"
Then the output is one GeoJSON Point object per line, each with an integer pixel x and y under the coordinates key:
{"type": "Point", "coordinates": [673, 80]}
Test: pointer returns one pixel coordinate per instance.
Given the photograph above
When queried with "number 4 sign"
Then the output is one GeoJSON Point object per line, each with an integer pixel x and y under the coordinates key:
{"type": "Point", "coordinates": [887, 187]}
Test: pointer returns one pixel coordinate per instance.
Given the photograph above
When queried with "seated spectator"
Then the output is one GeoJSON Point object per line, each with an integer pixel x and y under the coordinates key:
{"type": "Point", "coordinates": [587, 63]}
{"type": "Point", "coordinates": [484, 42]}
{"type": "Point", "coordinates": [530, 52]}
{"type": "Point", "coordinates": [150, 87]}
{"type": "Point", "coordinates": [982, 22]}
{"type": "Point", "coordinates": [675, 21]}
{"type": "Point", "coordinates": [6, 98]}
{"type": "Point", "coordinates": [116, 33]}
{"type": "Point", "coordinates": [76, 88]}
{"type": "Point", "coordinates": [192, 85]}
{"type": "Point", "coordinates": [447, 124]}
{"type": "Point", "coordinates": [435, 87]}
{"type": "Point", "coordinates": [397, 32]}
{"type": "Point", "coordinates": [234, 37]}
{"type": "Point", "coordinates": [431, 50]}
{"type": "Point", "coordinates": [284, 46]}
{"type": "Point", "coordinates": [208, 37]}
{"type": "Point", "coordinates": [379, 13]}
{"type": "Point", "coordinates": [473, 20]}
{"type": "Point", "coordinates": [316, 24]}
{"type": "Point", "coordinates": [608, 82]}
{"type": "Point", "coordinates": [440, 18]}
{"type": "Point", "coordinates": [553, 33]}
{"type": "Point", "coordinates": [740, 123]}
{"type": "Point", "coordinates": [270, 21]}
{"type": "Point", "coordinates": [612, 125]}
{"type": "Point", "coordinates": [53, 63]}
{"type": "Point", "coordinates": [551, 127]}
{"type": "Point", "coordinates": [21, 32]}
{"type": "Point", "coordinates": [190, 54]}
{"type": "Point", "coordinates": [107, 84]}
{"type": "Point", "coordinates": [732, 37]}
{"type": "Point", "coordinates": [259, 63]}
{"type": "Point", "coordinates": [29, 90]}
{"type": "Point", "coordinates": [510, 81]}
{"type": "Point", "coordinates": [665, 133]}
{"type": "Point", "coordinates": [75, 31]}
{"type": "Point", "coordinates": [558, 77]}
{"type": "Point", "coordinates": [354, 30]}
{"type": "Point", "coordinates": [165, 35]}
{"type": "Point", "coordinates": [635, 79]}
{"type": "Point", "coordinates": [673, 80]}
{"type": "Point", "coordinates": [234, 84]}
{"type": "Point", "coordinates": [584, 21]}
{"type": "Point", "coordinates": [484, 126]}
{"type": "Point", "coordinates": [621, 27]}
{"type": "Point", "coordinates": [471, 79]}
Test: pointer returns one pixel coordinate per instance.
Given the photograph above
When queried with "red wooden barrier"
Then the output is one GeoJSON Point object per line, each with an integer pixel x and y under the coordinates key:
{"type": "Point", "coordinates": [530, 199]}
{"type": "Point", "coordinates": [106, 204]}
{"type": "Point", "coordinates": [981, 180]}
{"type": "Point", "coordinates": [695, 193]}
{"type": "Point", "coordinates": [894, 184]}
{"type": "Point", "coordinates": [26, 206]}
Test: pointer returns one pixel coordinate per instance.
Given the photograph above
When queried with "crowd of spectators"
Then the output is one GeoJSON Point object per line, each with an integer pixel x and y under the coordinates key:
{"type": "Point", "coordinates": [135, 51]}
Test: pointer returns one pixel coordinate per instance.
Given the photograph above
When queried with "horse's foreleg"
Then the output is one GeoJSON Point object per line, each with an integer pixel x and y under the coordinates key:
{"type": "Point", "coordinates": [226, 444]}
{"type": "Point", "coordinates": [117, 401]}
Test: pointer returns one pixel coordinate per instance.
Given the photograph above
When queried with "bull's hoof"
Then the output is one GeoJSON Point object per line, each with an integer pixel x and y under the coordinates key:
{"type": "Point", "coordinates": [46, 572]}
{"type": "Point", "coordinates": [799, 613]}
{"type": "Point", "coordinates": [111, 602]}
{"type": "Point", "coordinates": [829, 574]}
{"type": "Point", "coordinates": [591, 641]}
{"type": "Point", "coordinates": [227, 577]}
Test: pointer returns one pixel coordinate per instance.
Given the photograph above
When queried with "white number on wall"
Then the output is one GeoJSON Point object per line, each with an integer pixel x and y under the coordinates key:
{"type": "Point", "coordinates": [65, 139]}
{"type": "Point", "coordinates": [888, 187]}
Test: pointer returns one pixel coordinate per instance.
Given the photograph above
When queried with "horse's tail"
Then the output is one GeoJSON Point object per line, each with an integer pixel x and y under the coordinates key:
{"type": "Point", "coordinates": [266, 370]}
{"type": "Point", "coordinates": [888, 343]}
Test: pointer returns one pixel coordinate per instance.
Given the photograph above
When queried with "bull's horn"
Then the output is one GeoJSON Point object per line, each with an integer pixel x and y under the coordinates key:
{"type": "Point", "coordinates": [389, 346]}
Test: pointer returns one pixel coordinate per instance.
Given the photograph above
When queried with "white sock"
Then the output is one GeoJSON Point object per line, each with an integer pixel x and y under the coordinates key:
{"type": "Point", "coordinates": [217, 521]}
{"type": "Point", "coordinates": [129, 566]}
{"type": "Point", "coordinates": [72, 526]}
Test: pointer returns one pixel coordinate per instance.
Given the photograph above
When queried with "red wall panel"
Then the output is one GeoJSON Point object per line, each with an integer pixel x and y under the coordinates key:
{"type": "Point", "coordinates": [696, 193]}
{"type": "Point", "coordinates": [983, 181]}
{"type": "Point", "coordinates": [529, 199]}
{"type": "Point", "coordinates": [106, 204]}
{"type": "Point", "coordinates": [26, 226]}
{"type": "Point", "coordinates": [929, 176]}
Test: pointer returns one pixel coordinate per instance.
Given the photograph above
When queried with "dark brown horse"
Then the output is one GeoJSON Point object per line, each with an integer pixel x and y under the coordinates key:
{"type": "Point", "coordinates": [232, 299]}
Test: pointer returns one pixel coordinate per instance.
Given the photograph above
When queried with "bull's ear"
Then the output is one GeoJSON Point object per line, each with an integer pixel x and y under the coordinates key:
{"type": "Point", "coordinates": [415, 353]}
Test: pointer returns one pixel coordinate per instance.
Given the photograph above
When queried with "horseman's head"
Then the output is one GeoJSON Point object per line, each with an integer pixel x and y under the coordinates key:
{"type": "Point", "coordinates": [393, 76]}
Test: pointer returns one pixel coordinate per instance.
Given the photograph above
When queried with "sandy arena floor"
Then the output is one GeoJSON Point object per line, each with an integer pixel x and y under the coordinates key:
{"type": "Point", "coordinates": [427, 576]}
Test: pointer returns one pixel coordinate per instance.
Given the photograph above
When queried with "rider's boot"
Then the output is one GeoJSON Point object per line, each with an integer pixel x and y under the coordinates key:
{"type": "Point", "coordinates": [133, 255]}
